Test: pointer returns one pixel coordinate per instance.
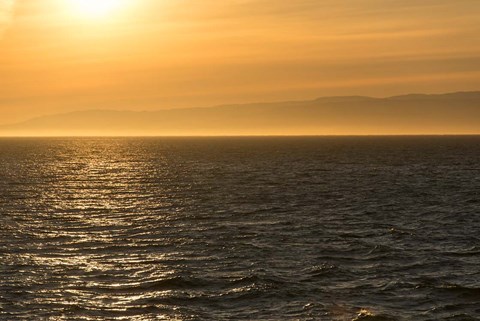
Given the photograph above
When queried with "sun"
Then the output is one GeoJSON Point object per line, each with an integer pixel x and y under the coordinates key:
{"type": "Point", "coordinates": [96, 8]}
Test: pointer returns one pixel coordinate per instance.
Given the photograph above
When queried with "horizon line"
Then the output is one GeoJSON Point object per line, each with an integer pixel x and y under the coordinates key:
{"type": "Point", "coordinates": [243, 136]}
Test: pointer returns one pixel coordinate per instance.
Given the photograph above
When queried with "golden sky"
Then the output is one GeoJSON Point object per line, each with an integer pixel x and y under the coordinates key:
{"type": "Point", "coordinates": [62, 55]}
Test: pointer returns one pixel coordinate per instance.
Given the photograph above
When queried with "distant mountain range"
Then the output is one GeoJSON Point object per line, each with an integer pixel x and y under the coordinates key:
{"type": "Point", "coordinates": [454, 113]}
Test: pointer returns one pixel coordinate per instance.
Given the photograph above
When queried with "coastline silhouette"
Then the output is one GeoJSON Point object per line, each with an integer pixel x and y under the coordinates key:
{"type": "Point", "coordinates": [453, 113]}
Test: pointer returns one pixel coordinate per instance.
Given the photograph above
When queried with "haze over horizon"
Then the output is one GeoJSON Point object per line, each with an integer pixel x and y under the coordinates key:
{"type": "Point", "coordinates": [60, 56]}
{"type": "Point", "coordinates": [414, 114]}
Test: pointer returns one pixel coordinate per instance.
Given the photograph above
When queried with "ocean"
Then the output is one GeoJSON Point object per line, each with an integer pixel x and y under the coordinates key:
{"type": "Point", "coordinates": [255, 228]}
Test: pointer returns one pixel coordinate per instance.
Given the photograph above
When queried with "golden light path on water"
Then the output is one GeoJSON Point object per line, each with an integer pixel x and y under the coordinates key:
{"type": "Point", "coordinates": [88, 218]}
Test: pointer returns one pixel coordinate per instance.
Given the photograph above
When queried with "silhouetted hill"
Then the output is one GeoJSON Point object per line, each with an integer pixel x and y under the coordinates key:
{"type": "Point", "coordinates": [454, 113]}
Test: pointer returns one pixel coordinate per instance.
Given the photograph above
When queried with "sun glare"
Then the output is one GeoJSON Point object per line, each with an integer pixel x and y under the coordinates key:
{"type": "Point", "coordinates": [96, 8]}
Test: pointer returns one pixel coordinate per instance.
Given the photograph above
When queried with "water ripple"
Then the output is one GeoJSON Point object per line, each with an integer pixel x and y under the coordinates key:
{"type": "Point", "coordinates": [240, 229]}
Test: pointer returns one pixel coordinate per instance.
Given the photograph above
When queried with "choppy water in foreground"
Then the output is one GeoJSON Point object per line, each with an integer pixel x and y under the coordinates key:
{"type": "Point", "coordinates": [240, 229]}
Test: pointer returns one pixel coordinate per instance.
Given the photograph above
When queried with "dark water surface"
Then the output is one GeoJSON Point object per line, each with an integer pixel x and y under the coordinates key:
{"type": "Point", "coordinates": [240, 229]}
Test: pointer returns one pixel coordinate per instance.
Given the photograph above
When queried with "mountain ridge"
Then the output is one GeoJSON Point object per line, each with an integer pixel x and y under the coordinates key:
{"type": "Point", "coordinates": [449, 113]}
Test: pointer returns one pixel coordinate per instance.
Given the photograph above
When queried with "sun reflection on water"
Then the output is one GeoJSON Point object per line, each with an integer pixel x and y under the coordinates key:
{"type": "Point", "coordinates": [84, 229]}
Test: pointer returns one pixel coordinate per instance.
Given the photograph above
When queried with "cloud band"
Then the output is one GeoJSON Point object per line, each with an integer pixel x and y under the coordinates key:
{"type": "Point", "coordinates": [6, 12]}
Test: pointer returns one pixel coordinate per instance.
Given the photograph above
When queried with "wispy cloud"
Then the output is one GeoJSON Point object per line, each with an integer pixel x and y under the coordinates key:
{"type": "Point", "coordinates": [181, 53]}
{"type": "Point", "coordinates": [6, 12]}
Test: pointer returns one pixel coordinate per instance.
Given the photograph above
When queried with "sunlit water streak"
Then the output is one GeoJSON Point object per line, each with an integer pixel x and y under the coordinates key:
{"type": "Point", "coordinates": [232, 229]}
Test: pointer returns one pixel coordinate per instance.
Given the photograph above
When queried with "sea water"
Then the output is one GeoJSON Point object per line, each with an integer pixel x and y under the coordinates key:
{"type": "Point", "coordinates": [305, 228]}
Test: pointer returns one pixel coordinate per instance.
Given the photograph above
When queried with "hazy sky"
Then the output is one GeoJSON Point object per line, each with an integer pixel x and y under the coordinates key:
{"type": "Point", "coordinates": [150, 54]}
